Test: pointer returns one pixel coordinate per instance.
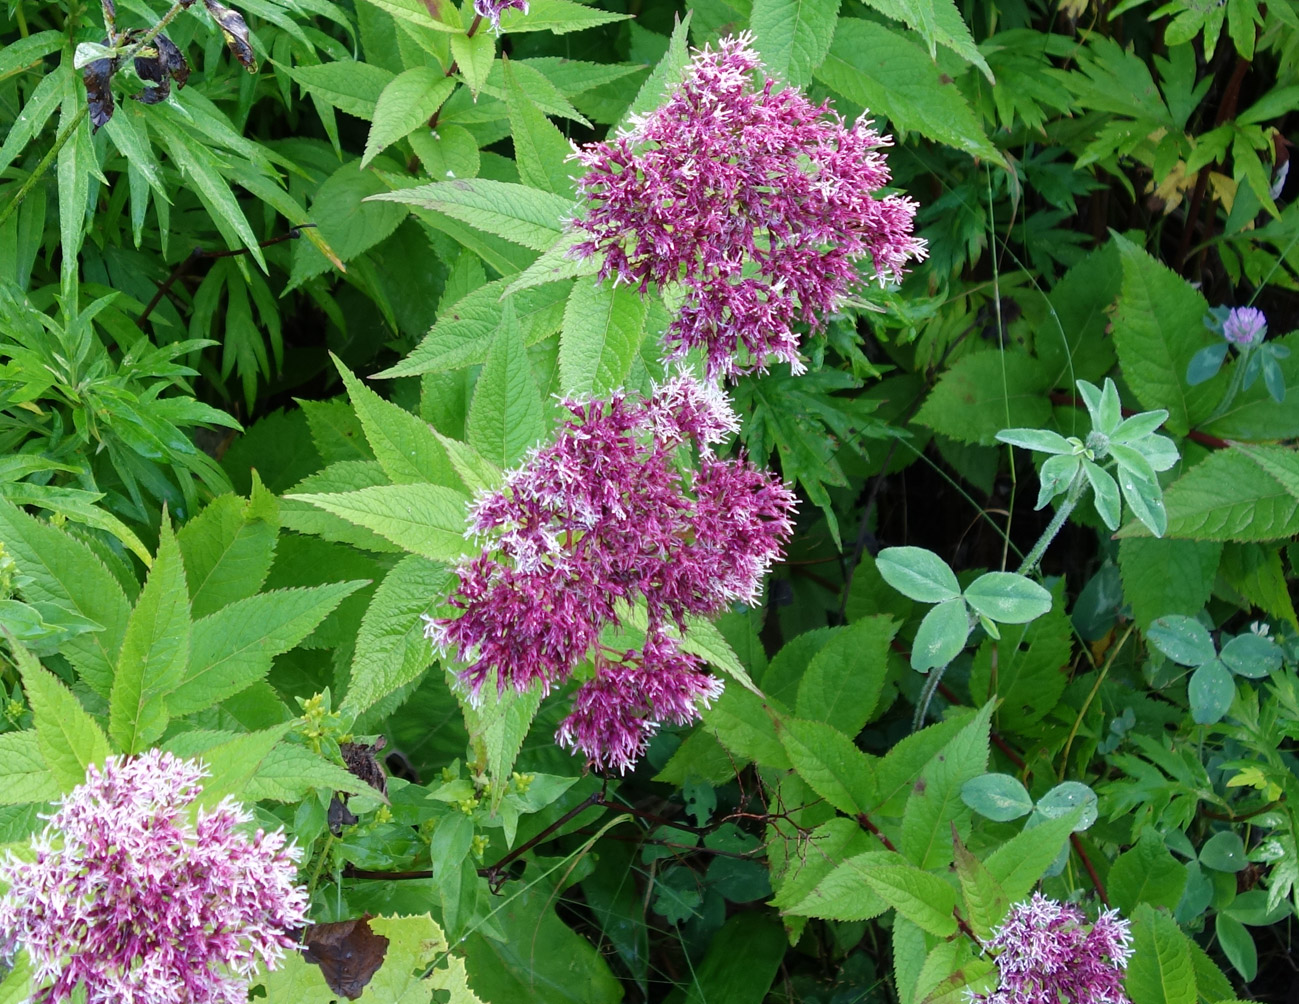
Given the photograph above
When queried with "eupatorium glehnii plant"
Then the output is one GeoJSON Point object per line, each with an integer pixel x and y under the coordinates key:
{"type": "Point", "coordinates": [607, 514]}
{"type": "Point", "coordinates": [132, 895]}
{"type": "Point", "coordinates": [1045, 956]}
{"type": "Point", "coordinates": [754, 199]}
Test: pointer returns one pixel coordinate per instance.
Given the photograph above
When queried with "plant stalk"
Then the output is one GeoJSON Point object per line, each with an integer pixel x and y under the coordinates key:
{"type": "Point", "coordinates": [1074, 495]}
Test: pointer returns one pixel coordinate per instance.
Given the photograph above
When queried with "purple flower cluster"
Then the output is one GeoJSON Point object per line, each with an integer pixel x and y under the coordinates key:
{"type": "Point", "coordinates": [1245, 326]}
{"type": "Point", "coordinates": [757, 201]}
{"type": "Point", "coordinates": [493, 9]}
{"type": "Point", "coordinates": [609, 513]}
{"type": "Point", "coordinates": [1047, 956]}
{"type": "Point", "coordinates": [140, 900]}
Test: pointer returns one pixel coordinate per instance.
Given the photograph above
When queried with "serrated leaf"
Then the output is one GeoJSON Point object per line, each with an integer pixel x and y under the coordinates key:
{"type": "Point", "coordinates": [886, 72]}
{"type": "Point", "coordinates": [155, 650]}
{"type": "Point", "coordinates": [516, 213]}
{"type": "Point", "coordinates": [233, 648]}
{"type": "Point", "coordinates": [830, 763]}
{"type": "Point", "coordinates": [347, 220]}
{"type": "Point", "coordinates": [843, 683]}
{"type": "Point", "coordinates": [935, 803]}
{"type": "Point", "coordinates": [476, 472]}
{"type": "Point", "coordinates": [1160, 970]}
{"type": "Point", "coordinates": [920, 896]}
{"type": "Point", "coordinates": [793, 36]}
{"type": "Point", "coordinates": [24, 775]}
{"type": "Point", "coordinates": [666, 75]}
{"type": "Point", "coordinates": [405, 446]}
{"type": "Point", "coordinates": [422, 519]}
{"type": "Point", "coordinates": [497, 728]}
{"type": "Point", "coordinates": [986, 902]}
{"type": "Point", "coordinates": [540, 149]}
{"type": "Point", "coordinates": [464, 334]}
{"type": "Point", "coordinates": [234, 763]}
{"type": "Point", "coordinates": [391, 650]}
{"type": "Point", "coordinates": [1031, 664]}
{"type": "Point", "coordinates": [228, 548]}
{"type": "Point", "coordinates": [350, 86]}
{"type": "Point", "coordinates": [604, 326]}
{"type": "Point", "coordinates": [405, 103]}
{"type": "Point", "coordinates": [1019, 863]}
{"type": "Point", "coordinates": [1156, 329]}
{"type": "Point", "coordinates": [1167, 576]}
{"type": "Point", "coordinates": [844, 894]}
{"type": "Point", "coordinates": [473, 58]}
{"type": "Point", "coordinates": [505, 416]}
{"type": "Point", "coordinates": [985, 391]}
{"type": "Point", "coordinates": [68, 738]}
{"type": "Point", "coordinates": [289, 772]}
{"type": "Point", "coordinates": [556, 16]}
{"type": "Point", "coordinates": [1146, 874]}
{"type": "Point", "coordinates": [66, 572]}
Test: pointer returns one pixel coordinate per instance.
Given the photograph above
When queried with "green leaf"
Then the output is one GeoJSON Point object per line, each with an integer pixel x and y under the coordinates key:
{"type": "Point", "coordinates": [405, 446]}
{"type": "Point", "coordinates": [476, 472]}
{"type": "Point", "coordinates": [1073, 799]}
{"type": "Point", "coordinates": [1160, 970]}
{"type": "Point", "coordinates": [406, 103]}
{"type": "Point", "coordinates": [1105, 494]}
{"type": "Point", "coordinates": [234, 764]}
{"type": "Point", "coordinates": [1145, 499]}
{"type": "Point", "coordinates": [154, 652]}
{"type": "Point", "coordinates": [935, 804]}
{"type": "Point", "coordinates": [941, 636]}
{"type": "Point", "coordinates": [844, 893]}
{"type": "Point", "coordinates": [473, 57]}
{"type": "Point", "coordinates": [1224, 852]}
{"type": "Point", "coordinates": [923, 898]}
{"type": "Point", "coordinates": [422, 519]}
{"type": "Point", "coordinates": [1042, 440]}
{"type": "Point", "coordinates": [918, 573]}
{"type": "Point", "coordinates": [742, 961]}
{"type": "Point", "coordinates": [900, 768]}
{"type": "Point", "coordinates": [391, 650]}
{"type": "Point", "coordinates": [24, 776]}
{"type": "Point", "coordinates": [1210, 692]}
{"type": "Point", "coordinates": [666, 76]}
{"type": "Point", "coordinates": [1031, 663]}
{"type": "Point", "coordinates": [540, 149]}
{"type": "Point", "coordinates": [1167, 576]}
{"type": "Point", "coordinates": [232, 648]}
{"type": "Point", "coordinates": [16, 987]}
{"type": "Point", "coordinates": [69, 739]}
{"type": "Point", "coordinates": [793, 36]}
{"type": "Point", "coordinates": [843, 683]}
{"type": "Point", "coordinates": [290, 772]}
{"type": "Point", "coordinates": [228, 548]}
{"type": "Point", "coordinates": [986, 902]}
{"type": "Point", "coordinates": [998, 797]}
{"type": "Point", "coordinates": [830, 763]}
{"type": "Point", "coordinates": [1007, 597]}
{"type": "Point", "coordinates": [556, 16]}
{"type": "Point", "coordinates": [1229, 496]}
{"type": "Point", "coordinates": [1183, 639]}
{"type": "Point", "coordinates": [350, 86]}
{"type": "Point", "coordinates": [67, 573]}
{"type": "Point", "coordinates": [505, 417]}
{"type": "Point", "coordinates": [337, 478]}
{"type": "Point", "coordinates": [516, 213]}
{"type": "Point", "coordinates": [1018, 864]}
{"type": "Point", "coordinates": [1251, 656]}
{"type": "Point", "coordinates": [1146, 874]}
{"type": "Point", "coordinates": [985, 391]}
{"type": "Point", "coordinates": [1157, 325]}
{"type": "Point", "coordinates": [464, 334]}
{"type": "Point", "coordinates": [603, 328]}
{"type": "Point", "coordinates": [348, 221]}
{"type": "Point", "coordinates": [883, 70]}
{"type": "Point", "coordinates": [1238, 945]}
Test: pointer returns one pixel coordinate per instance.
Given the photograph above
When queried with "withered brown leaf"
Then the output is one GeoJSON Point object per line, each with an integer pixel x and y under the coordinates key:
{"type": "Point", "coordinates": [160, 70]}
{"type": "Point", "coordinates": [98, 79]}
{"type": "Point", "coordinates": [235, 29]}
{"type": "Point", "coordinates": [347, 952]}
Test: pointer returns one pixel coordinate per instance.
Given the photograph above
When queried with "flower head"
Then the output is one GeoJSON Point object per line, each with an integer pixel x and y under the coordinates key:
{"type": "Point", "coordinates": [610, 512]}
{"type": "Point", "coordinates": [492, 10]}
{"type": "Point", "coordinates": [757, 201]}
{"type": "Point", "coordinates": [1245, 326]}
{"type": "Point", "coordinates": [1048, 956]}
{"type": "Point", "coordinates": [143, 902]}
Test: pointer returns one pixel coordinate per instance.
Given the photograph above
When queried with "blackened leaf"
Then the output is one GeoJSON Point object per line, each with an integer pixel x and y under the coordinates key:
{"type": "Point", "coordinates": [233, 27]}
{"type": "Point", "coordinates": [360, 759]}
{"type": "Point", "coordinates": [339, 814]}
{"type": "Point", "coordinates": [160, 70]}
{"type": "Point", "coordinates": [348, 954]}
{"type": "Point", "coordinates": [98, 78]}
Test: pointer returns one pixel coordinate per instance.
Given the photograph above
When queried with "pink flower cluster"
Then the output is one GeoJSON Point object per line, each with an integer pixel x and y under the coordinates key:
{"type": "Point", "coordinates": [1245, 326]}
{"type": "Point", "coordinates": [493, 9]}
{"type": "Point", "coordinates": [610, 513]}
{"type": "Point", "coordinates": [1047, 956]}
{"type": "Point", "coordinates": [757, 201]}
{"type": "Point", "coordinates": [141, 901]}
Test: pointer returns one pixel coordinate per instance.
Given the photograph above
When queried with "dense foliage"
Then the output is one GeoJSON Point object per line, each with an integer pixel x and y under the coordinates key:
{"type": "Point", "coordinates": [362, 437]}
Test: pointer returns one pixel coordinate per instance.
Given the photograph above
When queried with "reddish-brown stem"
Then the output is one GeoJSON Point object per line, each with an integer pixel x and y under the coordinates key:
{"type": "Point", "coordinates": [1091, 869]}
{"type": "Point", "coordinates": [865, 823]}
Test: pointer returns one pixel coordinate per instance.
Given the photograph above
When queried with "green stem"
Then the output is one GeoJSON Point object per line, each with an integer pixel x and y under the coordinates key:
{"type": "Point", "coordinates": [1233, 388]}
{"type": "Point", "coordinates": [1072, 497]}
{"type": "Point", "coordinates": [926, 695]}
{"type": "Point", "coordinates": [21, 18]}
{"type": "Point", "coordinates": [43, 166]}
{"type": "Point", "coordinates": [153, 32]}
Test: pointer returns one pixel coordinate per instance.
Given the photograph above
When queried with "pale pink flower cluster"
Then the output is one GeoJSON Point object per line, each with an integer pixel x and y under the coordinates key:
{"type": "Point", "coordinates": [612, 511]}
{"type": "Point", "coordinates": [493, 9]}
{"type": "Point", "coordinates": [139, 899]}
{"type": "Point", "coordinates": [1047, 955]}
{"type": "Point", "coordinates": [1245, 326]}
{"type": "Point", "coordinates": [755, 200]}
